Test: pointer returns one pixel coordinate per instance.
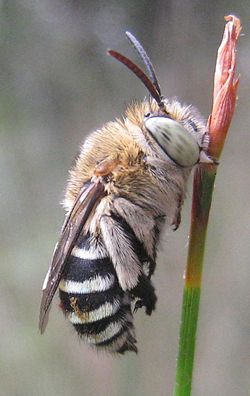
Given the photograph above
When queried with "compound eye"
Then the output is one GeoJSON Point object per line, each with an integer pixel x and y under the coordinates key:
{"type": "Point", "coordinates": [174, 139]}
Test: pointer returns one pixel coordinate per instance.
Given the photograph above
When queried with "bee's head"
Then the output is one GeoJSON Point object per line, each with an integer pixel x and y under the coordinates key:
{"type": "Point", "coordinates": [182, 134]}
{"type": "Point", "coordinates": [178, 133]}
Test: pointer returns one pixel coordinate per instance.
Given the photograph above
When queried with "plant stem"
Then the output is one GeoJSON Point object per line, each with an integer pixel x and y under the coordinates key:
{"type": "Point", "coordinates": [224, 99]}
{"type": "Point", "coordinates": [204, 181]}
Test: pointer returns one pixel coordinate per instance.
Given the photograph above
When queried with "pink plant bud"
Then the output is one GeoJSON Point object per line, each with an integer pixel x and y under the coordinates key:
{"type": "Point", "coordinates": [225, 87]}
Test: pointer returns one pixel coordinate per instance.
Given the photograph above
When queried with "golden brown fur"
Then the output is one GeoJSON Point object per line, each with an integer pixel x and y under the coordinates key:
{"type": "Point", "coordinates": [128, 142]}
{"type": "Point", "coordinates": [140, 177]}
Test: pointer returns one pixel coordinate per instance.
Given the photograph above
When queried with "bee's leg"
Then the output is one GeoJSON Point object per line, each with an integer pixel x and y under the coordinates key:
{"type": "Point", "coordinates": [145, 292]}
{"type": "Point", "coordinates": [125, 250]}
{"type": "Point", "coordinates": [121, 251]}
{"type": "Point", "coordinates": [177, 219]}
{"type": "Point", "coordinates": [148, 268]}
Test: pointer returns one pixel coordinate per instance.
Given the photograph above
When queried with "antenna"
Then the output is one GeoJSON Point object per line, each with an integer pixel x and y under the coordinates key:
{"type": "Point", "coordinates": [151, 82]}
{"type": "Point", "coordinates": [146, 60]}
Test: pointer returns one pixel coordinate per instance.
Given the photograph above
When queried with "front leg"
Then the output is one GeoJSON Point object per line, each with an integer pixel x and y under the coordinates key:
{"type": "Point", "coordinates": [177, 218]}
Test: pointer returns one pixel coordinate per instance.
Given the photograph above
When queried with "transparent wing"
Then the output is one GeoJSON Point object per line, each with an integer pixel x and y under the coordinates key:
{"type": "Point", "coordinates": [86, 202]}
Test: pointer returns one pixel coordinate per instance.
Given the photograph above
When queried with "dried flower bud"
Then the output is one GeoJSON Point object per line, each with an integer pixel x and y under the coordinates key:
{"type": "Point", "coordinates": [225, 87]}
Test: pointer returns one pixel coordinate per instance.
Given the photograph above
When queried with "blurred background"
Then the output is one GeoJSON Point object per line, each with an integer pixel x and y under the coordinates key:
{"type": "Point", "coordinates": [57, 85]}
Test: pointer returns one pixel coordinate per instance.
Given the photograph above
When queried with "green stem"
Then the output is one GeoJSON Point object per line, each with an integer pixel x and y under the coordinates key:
{"type": "Point", "coordinates": [202, 198]}
{"type": "Point", "coordinates": [190, 308]}
{"type": "Point", "coordinates": [225, 93]}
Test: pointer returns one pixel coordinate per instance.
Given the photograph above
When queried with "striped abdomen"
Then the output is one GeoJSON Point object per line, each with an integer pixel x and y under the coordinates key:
{"type": "Point", "coordinates": [93, 301]}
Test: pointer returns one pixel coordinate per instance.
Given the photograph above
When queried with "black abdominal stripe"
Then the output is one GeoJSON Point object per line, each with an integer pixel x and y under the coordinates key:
{"type": "Point", "coordinates": [93, 301]}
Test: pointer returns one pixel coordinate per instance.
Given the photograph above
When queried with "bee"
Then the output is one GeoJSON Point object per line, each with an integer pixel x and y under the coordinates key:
{"type": "Point", "coordinates": [128, 181]}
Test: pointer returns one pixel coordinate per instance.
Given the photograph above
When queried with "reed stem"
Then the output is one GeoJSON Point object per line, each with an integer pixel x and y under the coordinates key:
{"type": "Point", "coordinates": [224, 99]}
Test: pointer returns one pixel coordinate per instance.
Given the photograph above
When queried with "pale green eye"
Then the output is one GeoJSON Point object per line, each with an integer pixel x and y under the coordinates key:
{"type": "Point", "coordinates": [174, 139]}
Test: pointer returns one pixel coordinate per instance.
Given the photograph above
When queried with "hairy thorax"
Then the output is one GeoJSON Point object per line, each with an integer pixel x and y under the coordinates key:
{"type": "Point", "coordinates": [135, 170]}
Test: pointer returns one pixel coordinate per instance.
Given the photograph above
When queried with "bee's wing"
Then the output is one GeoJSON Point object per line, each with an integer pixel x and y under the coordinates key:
{"type": "Point", "coordinates": [86, 201]}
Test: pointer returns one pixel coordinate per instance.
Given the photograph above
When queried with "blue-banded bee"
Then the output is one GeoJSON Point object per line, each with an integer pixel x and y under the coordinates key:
{"type": "Point", "coordinates": [128, 180]}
